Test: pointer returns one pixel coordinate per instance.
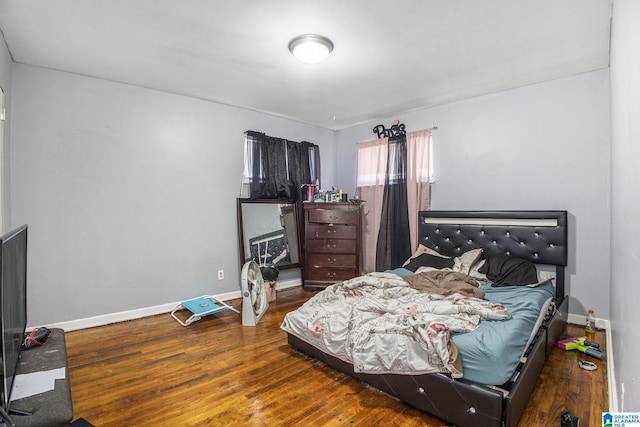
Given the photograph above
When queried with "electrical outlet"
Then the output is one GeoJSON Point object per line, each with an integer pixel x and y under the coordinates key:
{"type": "Point", "coordinates": [220, 274]}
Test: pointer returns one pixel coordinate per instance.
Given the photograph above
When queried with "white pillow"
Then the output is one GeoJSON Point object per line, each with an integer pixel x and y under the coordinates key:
{"type": "Point", "coordinates": [465, 262]}
{"type": "Point", "coordinates": [544, 277]}
{"type": "Point", "coordinates": [476, 274]}
{"type": "Point", "coordinates": [424, 250]}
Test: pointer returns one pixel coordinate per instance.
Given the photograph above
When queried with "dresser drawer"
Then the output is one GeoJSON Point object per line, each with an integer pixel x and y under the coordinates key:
{"type": "Point", "coordinates": [331, 246]}
{"type": "Point", "coordinates": [331, 260]}
{"type": "Point", "coordinates": [330, 232]}
{"type": "Point", "coordinates": [334, 216]}
{"type": "Point", "coordinates": [330, 275]}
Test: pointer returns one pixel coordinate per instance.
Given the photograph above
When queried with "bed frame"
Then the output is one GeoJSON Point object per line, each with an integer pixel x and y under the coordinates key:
{"type": "Point", "coordinates": [538, 236]}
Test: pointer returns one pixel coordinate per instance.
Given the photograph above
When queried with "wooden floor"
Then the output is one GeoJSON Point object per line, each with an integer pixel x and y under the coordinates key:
{"type": "Point", "coordinates": [154, 372]}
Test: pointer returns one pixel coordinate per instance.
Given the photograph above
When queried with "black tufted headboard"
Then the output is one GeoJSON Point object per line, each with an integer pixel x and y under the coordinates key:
{"type": "Point", "coordinates": [537, 236]}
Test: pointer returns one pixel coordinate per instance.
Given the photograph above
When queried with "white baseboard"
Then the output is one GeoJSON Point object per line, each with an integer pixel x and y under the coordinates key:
{"type": "Point", "coordinates": [123, 316]}
{"type": "Point", "coordinates": [606, 325]}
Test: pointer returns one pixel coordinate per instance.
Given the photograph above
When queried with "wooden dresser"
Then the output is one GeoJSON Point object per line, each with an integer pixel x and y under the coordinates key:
{"type": "Point", "coordinates": [332, 243]}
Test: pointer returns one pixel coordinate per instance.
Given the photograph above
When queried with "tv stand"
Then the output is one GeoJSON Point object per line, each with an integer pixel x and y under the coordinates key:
{"type": "Point", "coordinates": [5, 419]}
{"type": "Point", "coordinates": [53, 408]}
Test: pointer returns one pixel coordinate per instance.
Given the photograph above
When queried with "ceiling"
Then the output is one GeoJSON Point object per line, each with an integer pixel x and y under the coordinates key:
{"type": "Point", "coordinates": [390, 56]}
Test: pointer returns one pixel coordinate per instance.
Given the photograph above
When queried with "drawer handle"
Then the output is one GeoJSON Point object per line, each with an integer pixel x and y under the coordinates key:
{"type": "Point", "coordinates": [331, 274]}
{"type": "Point", "coordinates": [331, 260]}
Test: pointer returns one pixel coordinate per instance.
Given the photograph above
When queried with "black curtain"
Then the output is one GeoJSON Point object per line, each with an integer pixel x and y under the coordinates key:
{"type": "Point", "coordinates": [304, 164]}
{"type": "Point", "coordinates": [269, 177]}
{"type": "Point", "coordinates": [394, 241]}
{"type": "Point", "coordinates": [278, 167]}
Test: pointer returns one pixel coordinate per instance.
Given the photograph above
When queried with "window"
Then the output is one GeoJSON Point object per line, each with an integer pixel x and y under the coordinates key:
{"type": "Point", "coordinates": [372, 162]}
{"type": "Point", "coordinates": [370, 185]}
{"type": "Point", "coordinates": [247, 174]}
{"type": "Point", "coordinates": [276, 167]}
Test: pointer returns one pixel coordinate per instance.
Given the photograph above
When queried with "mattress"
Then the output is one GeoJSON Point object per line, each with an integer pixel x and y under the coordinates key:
{"type": "Point", "coordinates": [491, 353]}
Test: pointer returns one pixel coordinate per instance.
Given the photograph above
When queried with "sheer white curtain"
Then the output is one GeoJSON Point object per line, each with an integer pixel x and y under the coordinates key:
{"type": "Point", "coordinates": [370, 177]}
{"type": "Point", "coordinates": [418, 176]}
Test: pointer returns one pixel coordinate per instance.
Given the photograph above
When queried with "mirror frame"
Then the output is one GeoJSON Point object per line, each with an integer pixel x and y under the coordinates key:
{"type": "Point", "coordinates": [241, 243]}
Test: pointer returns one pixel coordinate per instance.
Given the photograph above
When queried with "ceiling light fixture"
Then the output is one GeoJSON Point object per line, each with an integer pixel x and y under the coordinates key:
{"type": "Point", "coordinates": [310, 48]}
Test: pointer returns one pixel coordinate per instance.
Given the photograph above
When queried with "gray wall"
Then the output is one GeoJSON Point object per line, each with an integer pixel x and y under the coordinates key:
{"type": "Point", "coordinates": [625, 203]}
{"type": "Point", "coordinates": [6, 66]}
{"type": "Point", "coordinates": [129, 193]}
{"type": "Point", "coordinates": [544, 146]}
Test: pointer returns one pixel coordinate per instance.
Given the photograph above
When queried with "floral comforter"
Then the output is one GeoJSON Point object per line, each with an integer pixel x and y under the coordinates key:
{"type": "Point", "coordinates": [380, 324]}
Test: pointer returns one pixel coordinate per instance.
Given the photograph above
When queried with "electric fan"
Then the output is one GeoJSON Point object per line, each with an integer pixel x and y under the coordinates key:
{"type": "Point", "coordinates": [254, 297]}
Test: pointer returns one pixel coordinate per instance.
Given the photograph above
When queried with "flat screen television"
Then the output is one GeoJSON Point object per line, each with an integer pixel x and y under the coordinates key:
{"type": "Point", "coordinates": [13, 305]}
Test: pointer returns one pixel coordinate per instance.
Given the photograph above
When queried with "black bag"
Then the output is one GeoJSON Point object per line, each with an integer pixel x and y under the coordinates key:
{"type": "Point", "coordinates": [269, 274]}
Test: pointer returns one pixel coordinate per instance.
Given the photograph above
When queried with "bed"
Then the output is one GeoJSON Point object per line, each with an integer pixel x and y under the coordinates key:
{"type": "Point", "coordinates": [462, 379]}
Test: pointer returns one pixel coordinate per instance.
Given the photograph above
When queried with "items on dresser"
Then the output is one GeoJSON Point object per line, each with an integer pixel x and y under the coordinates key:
{"type": "Point", "coordinates": [332, 243]}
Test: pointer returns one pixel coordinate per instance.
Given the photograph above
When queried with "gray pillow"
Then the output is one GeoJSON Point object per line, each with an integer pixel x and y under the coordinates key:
{"type": "Point", "coordinates": [505, 270]}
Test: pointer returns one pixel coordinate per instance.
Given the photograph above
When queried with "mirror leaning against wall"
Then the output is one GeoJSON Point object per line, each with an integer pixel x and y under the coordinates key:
{"type": "Point", "coordinates": [268, 232]}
